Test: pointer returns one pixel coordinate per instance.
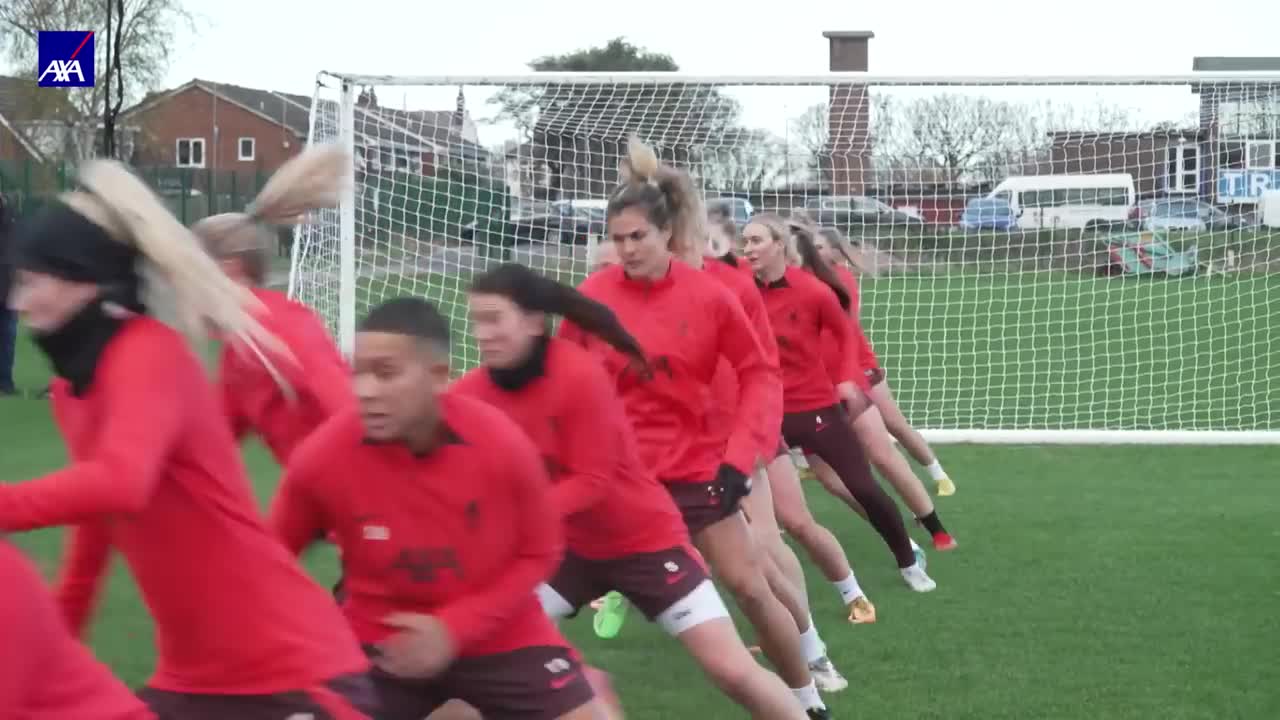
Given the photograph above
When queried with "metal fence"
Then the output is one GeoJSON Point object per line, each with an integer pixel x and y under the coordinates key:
{"type": "Point", "coordinates": [191, 193]}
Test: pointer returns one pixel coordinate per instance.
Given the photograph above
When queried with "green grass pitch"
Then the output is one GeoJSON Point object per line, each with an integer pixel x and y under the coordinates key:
{"type": "Point", "coordinates": [1090, 582]}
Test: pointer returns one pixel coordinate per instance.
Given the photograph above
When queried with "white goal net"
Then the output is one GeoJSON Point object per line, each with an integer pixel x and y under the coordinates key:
{"type": "Point", "coordinates": [1047, 259]}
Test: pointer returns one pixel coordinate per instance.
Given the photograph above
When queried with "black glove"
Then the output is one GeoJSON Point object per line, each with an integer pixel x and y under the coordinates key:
{"type": "Point", "coordinates": [732, 484]}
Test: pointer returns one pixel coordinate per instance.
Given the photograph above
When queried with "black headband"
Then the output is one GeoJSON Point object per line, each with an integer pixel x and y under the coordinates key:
{"type": "Point", "coordinates": [59, 241]}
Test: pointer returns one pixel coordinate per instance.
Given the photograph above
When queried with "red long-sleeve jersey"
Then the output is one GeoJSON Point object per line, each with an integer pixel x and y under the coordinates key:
{"type": "Point", "coordinates": [724, 385]}
{"type": "Point", "coordinates": [156, 474]}
{"type": "Point", "coordinates": [846, 362]}
{"type": "Point", "coordinates": [611, 505]}
{"type": "Point", "coordinates": [44, 673]}
{"type": "Point", "coordinates": [317, 373]}
{"type": "Point", "coordinates": [685, 322]}
{"type": "Point", "coordinates": [464, 533]}
{"type": "Point", "coordinates": [866, 355]}
{"type": "Point", "coordinates": [800, 308]}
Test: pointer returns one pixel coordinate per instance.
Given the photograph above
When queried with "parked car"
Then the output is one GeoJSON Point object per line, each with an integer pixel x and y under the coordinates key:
{"type": "Point", "coordinates": [988, 214]}
{"type": "Point", "coordinates": [738, 209]}
{"type": "Point", "coordinates": [849, 210]}
{"type": "Point", "coordinates": [1182, 214]}
{"type": "Point", "coordinates": [549, 222]}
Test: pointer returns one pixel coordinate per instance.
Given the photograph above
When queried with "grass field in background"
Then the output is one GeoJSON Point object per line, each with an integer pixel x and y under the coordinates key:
{"type": "Point", "coordinates": [1039, 350]}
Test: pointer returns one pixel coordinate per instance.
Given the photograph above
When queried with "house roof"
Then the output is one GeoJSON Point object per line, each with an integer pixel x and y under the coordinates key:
{"type": "Point", "coordinates": [22, 102]}
{"type": "Point", "coordinates": [1235, 64]}
{"type": "Point", "coordinates": [287, 110]}
{"type": "Point", "coordinates": [432, 128]}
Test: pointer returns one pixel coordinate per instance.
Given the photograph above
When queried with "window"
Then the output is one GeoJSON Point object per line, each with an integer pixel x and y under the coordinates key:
{"type": "Point", "coordinates": [245, 149]}
{"type": "Point", "coordinates": [1183, 168]}
{"type": "Point", "coordinates": [1259, 155]}
{"type": "Point", "coordinates": [190, 152]}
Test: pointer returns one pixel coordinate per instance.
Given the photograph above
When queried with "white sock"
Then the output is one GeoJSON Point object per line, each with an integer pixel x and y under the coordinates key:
{"type": "Point", "coordinates": [849, 589]}
{"type": "Point", "coordinates": [935, 470]}
{"type": "Point", "coordinates": [811, 644]}
{"type": "Point", "coordinates": [808, 696]}
{"type": "Point", "coordinates": [914, 545]}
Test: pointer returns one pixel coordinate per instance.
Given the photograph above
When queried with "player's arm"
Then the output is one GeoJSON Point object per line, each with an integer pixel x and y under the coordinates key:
{"type": "Point", "coordinates": [84, 565]}
{"type": "Point", "coordinates": [143, 416]}
{"type": "Point", "coordinates": [758, 383]}
{"type": "Point", "coordinates": [318, 366]}
{"type": "Point", "coordinates": [28, 623]}
{"type": "Point", "coordinates": [518, 477]}
{"type": "Point", "coordinates": [591, 436]}
{"type": "Point", "coordinates": [229, 398]}
{"type": "Point", "coordinates": [832, 317]}
{"type": "Point", "coordinates": [298, 514]}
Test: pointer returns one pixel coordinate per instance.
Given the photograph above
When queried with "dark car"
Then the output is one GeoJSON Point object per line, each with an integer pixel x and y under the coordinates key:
{"type": "Point", "coordinates": [737, 209]}
{"type": "Point", "coordinates": [851, 210]}
{"type": "Point", "coordinates": [548, 222]}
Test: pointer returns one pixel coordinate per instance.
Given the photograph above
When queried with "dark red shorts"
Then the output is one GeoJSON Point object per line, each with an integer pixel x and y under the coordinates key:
{"type": "Point", "coordinates": [652, 582]}
{"type": "Point", "coordinates": [703, 504]}
{"type": "Point", "coordinates": [351, 697]}
{"type": "Point", "coordinates": [534, 683]}
{"type": "Point", "coordinates": [841, 412]}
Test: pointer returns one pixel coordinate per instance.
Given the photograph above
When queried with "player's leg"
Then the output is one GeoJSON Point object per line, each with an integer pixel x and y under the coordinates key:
{"type": "Point", "coordinates": [786, 578]}
{"type": "Point", "coordinates": [572, 587]}
{"type": "Point", "coordinates": [455, 710]}
{"type": "Point", "coordinates": [914, 443]}
{"type": "Point", "coordinates": [792, 512]}
{"type": "Point", "coordinates": [827, 433]}
{"type": "Point", "coordinates": [832, 484]}
{"type": "Point", "coordinates": [673, 588]}
{"type": "Point", "coordinates": [885, 458]}
{"type": "Point", "coordinates": [735, 558]}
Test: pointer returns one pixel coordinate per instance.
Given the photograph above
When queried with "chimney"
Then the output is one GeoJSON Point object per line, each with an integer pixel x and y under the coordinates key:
{"type": "Point", "coordinates": [367, 98]}
{"type": "Point", "coordinates": [460, 114]}
{"type": "Point", "coordinates": [849, 116]}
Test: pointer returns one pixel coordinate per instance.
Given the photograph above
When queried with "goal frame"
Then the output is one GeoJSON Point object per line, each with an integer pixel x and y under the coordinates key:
{"type": "Point", "coordinates": [349, 82]}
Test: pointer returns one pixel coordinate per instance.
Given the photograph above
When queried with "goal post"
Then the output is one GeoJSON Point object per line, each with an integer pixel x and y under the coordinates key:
{"type": "Point", "coordinates": [1053, 259]}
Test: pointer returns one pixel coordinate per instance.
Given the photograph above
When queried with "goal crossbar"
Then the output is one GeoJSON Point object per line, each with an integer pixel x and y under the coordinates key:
{"type": "Point", "coordinates": [854, 78]}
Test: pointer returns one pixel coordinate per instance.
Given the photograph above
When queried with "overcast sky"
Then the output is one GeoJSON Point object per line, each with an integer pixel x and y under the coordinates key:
{"type": "Point", "coordinates": [281, 44]}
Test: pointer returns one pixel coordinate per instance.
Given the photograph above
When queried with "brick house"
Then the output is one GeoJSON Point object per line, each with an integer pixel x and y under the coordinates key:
{"type": "Point", "coordinates": [1230, 159]}
{"type": "Point", "coordinates": [223, 127]}
{"type": "Point", "coordinates": [1161, 161]}
{"type": "Point", "coordinates": [219, 127]}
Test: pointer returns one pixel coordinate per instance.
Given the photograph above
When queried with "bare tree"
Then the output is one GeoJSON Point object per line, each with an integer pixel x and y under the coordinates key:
{"type": "Point", "coordinates": [810, 133]}
{"type": "Point", "coordinates": [744, 161]}
{"type": "Point", "coordinates": [965, 138]}
{"type": "Point", "coordinates": [132, 60]}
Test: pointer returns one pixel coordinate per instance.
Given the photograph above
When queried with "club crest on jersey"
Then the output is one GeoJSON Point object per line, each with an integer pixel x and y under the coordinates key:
{"type": "Point", "coordinates": [65, 58]}
{"type": "Point", "coordinates": [376, 532]}
{"type": "Point", "coordinates": [671, 567]}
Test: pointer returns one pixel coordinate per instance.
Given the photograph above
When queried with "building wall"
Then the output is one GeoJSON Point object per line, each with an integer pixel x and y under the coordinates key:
{"type": "Point", "coordinates": [1142, 155]}
{"type": "Point", "coordinates": [193, 113]}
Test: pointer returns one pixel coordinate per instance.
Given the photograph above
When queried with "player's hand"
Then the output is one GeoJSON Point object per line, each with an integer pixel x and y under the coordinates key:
{"type": "Point", "coordinates": [422, 649]}
{"type": "Point", "coordinates": [847, 392]}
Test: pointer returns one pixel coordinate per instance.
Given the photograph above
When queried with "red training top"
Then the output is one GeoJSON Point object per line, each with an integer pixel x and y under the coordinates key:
{"type": "Point", "coordinates": [866, 356]}
{"type": "Point", "coordinates": [685, 322]}
{"type": "Point", "coordinates": [44, 673]}
{"type": "Point", "coordinates": [611, 505]}
{"type": "Point", "coordinates": [464, 533]}
{"type": "Point", "coordinates": [845, 362]}
{"type": "Point", "coordinates": [156, 474]}
{"type": "Point", "coordinates": [800, 308]}
{"type": "Point", "coordinates": [317, 374]}
{"type": "Point", "coordinates": [724, 385]}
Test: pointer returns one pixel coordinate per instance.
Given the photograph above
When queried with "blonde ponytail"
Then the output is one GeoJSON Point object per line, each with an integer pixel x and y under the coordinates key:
{"type": "Point", "coordinates": [202, 295]}
{"type": "Point", "coordinates": [669, 196]}
{"type": "Point", "coordinates": [312, 180]}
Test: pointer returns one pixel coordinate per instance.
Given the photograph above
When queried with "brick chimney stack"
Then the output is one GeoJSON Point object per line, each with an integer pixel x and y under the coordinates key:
{"type": "Point", "coordinates": [849, 115]}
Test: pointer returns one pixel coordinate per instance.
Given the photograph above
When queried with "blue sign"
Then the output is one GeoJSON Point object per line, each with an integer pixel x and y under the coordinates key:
{"type": "Point", "coordinates": [65, 58]}
{"type": "Point", "coordinates": [1246, 185]}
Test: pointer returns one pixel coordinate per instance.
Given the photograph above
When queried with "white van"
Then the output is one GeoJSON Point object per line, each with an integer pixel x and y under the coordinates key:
{"type": "Point", "coordinates": [1050, 202]}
